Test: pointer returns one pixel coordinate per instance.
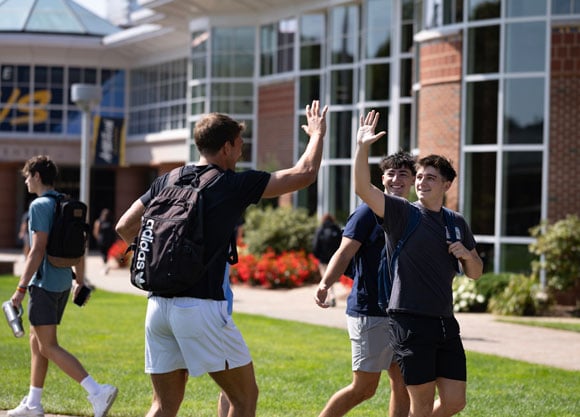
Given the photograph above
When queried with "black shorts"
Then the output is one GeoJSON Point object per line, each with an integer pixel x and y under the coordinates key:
{"type": "Point", "coordinates": [427, 348]}
{"type": "Point", "coordinates": [46, 307]}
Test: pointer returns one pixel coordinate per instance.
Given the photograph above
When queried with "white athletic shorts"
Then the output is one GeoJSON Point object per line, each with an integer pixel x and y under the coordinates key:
{"type": "Point", "coordinates": [194, 334]}
{"type": "Point", "coordinates": [370, 343]}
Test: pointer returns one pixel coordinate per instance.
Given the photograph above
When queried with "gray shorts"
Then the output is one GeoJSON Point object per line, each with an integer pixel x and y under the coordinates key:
{"type": "Point", "coordinates": [370, 343]}
{"type": "Point", "coordinates": [194, 334]}
{"type": "Point", "coordinates": [46, 307]}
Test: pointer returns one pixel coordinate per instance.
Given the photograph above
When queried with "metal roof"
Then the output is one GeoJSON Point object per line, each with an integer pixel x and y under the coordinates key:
{"type": "Point", "coordinates": [59, 17]}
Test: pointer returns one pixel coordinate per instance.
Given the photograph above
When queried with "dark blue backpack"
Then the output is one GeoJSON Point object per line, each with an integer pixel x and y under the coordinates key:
{"type": "Point", "coordinates": [386, 268]}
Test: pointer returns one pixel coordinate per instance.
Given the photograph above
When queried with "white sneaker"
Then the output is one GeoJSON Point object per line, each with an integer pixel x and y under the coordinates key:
{"type": "Point", "coordinates": [24, 411]}
{"type": "Point", "coordinates": [103, 401]}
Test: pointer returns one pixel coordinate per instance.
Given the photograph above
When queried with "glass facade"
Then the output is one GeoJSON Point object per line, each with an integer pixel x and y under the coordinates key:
{"type": "Point", "coordinates": [158, 97]}
{"type": "Point", "coordinates": [36, 98]}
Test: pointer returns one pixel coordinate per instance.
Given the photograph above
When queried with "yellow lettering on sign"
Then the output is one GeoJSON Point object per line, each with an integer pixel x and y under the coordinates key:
{"type": "Point", "coordinates": [11, 101]}
{"type": "Point", "coordinates": [40, 100]}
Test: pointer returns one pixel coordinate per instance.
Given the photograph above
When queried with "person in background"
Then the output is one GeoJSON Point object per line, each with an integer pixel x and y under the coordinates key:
{"type": "Point", "coordinates": [105, 236]}
{"type": "Point", "coordinates": [49, 288]}
{"type": "Point", "coordinates": [421, 301]}
{"type": "Point", "coordinates": [326, 241]}
{"type": "Point", "coordinates": [362, 243]}
{"type": "Point", "coordinates": [23, 234]}
{"type": "Point", "coordinates": [192, 333]}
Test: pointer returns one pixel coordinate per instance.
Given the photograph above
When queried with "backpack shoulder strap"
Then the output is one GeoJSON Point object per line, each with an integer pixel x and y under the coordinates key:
{"type": "Point", "coordinates": [449, 216]}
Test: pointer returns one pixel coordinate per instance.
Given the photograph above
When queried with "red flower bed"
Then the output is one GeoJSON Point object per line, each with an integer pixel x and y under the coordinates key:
{"type": "Point", "coordinates": [117, 252]}
{"type": "Point", "coordinates": [289, 269]}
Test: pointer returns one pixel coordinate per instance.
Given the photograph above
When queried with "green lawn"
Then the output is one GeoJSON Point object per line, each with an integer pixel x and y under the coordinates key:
{"type": "Point", "coordinates": [298, 367]}
{"type": "Point", "coordinates": [558, 325]}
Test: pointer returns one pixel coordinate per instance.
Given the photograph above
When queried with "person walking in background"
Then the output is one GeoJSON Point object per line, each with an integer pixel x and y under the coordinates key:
{"type": "Point", "coordinates": [362, 243]}
{"type": "Point", "coordinates": [49, 288]}
{"type": "Point", "coordinates": [421, 301]}
{"type": "Point", "coordinates": [104, 234]}
{"type": "Point", "coordinates": [325, 243]}
{"type": "Point", "coordinates": [192, 332]}
{"type": "Point", "coordinates": [23, 234]}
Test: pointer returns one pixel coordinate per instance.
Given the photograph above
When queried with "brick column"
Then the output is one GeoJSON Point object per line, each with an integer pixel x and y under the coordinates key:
{"type": "Point", "coordinates": [439, 113]}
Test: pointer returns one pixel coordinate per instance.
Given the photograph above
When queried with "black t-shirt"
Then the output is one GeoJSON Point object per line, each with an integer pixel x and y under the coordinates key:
{"type": "Point", "coordinates": [224, 203]}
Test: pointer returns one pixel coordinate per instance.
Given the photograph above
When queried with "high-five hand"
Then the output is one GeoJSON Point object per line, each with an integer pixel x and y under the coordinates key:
{"type": "Point", "coordinates": [316, 120]}
{"type": "Point", "coordinates": [366, 131]}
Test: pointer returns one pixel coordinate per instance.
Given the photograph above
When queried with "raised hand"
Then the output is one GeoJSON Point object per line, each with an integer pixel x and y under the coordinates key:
{"type": "Point", "coordinates": [366, 131]}
{"type": "Point", "coordinates": [316, 120]}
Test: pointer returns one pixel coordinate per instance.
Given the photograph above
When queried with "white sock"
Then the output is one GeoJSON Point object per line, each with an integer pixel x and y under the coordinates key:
{"type": "Point", "coordinates": [90, 385]}
{"type": "Point", "coordinates": [34, 397]}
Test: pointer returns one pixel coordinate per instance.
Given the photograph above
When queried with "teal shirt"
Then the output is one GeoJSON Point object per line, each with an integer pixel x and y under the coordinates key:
{"type": "Point", "coordinates": [41, 213]}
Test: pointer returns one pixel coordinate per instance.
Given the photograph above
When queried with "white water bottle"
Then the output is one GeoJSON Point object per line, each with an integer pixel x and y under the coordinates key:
{"type": "Point", "coordinates": [14, 318]}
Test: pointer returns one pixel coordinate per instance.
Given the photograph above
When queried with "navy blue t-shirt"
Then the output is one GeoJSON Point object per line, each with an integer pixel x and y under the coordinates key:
{"type": "Point", "coordinates": [362, 226]}
{"type": "Point", "coordinates": [224, 203]}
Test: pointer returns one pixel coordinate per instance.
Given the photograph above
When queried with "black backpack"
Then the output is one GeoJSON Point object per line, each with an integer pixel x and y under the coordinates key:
{"type": "Point", "coordinates": [169, 251]}
{"type": "Point", "coordinates": [68, 235]}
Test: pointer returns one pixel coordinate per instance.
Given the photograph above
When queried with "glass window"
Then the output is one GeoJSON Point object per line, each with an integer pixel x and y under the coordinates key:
{"type": "Point", "coordinates": [377, 82]}
{"type": "Point", "coordinates": [405, 127]}
{"type": "Point", "coordinates": [343, 35]}
{"type": "Point", "coordinates": [339, 191]}
{"type": "Point", "coordinates": [407, 8]}
{"type": "Point", "coordinates": [312, 29]}
{"type": "Point", "coordinates": [481, 112]}
{"type": "Point", "coordinates": [380, 147]}
{"type": "Point", "coordinates": [515, 258]}
{"type": "Point", "coordinates": [565, 6]}
{"type": "Point", "coordinates": [483, 50]}
{"type": "Point", "coordinates": [524, 110]}
{"type": "Point", "coordinates": [525, 47]}
{"type": "Point", "coordinates": [406, 77]}
{"type": "Point", "coordinates": [341, 87]}
{"type": "Point", "coordinates": [484, 9]}
{"type": "Point", "coordinates": [285, 54]}
{"type": "Point", "coordinates": [341, 135]}
{"type": "Point", "coordinates": [522, 192]}
{"type": "Point", "coordinates": [233, 52]}
{"type": "Point", "coordinates": [309, 90]}
{"type": "Point", "coordinates": [452, 11]}
{"type": "Point", "coordinates": [516, 8]}
{"type": "Point", "coordinates": [378, 28]}
{"type": "Point", "coordinates": [486, 253]}
{"type": "Point", "coordinates": [480, 175]}
{"type": "Point", "coordinates": [267, 36]}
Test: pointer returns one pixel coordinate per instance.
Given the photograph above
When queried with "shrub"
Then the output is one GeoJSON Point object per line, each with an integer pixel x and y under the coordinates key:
{"type": "Point", "coordinates": [521, 297]}
{"type": "Point", "coordinates": [559, 244]}
{"type": "Point", "coordinates": [491, 284]}
{"type": "Point", "coordinates": [278, 229]}
{"type": "Point", "coordinates": [466, 297]}
{"type": "Point", "coordinates": [289, 269]}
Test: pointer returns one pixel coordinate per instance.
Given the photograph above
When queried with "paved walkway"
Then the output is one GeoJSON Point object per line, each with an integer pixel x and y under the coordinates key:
{"type": "Point", "coordinates": [480, 332]}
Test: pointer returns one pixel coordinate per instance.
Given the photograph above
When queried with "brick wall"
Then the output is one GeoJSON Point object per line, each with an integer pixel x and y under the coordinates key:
{"type": "Point", "coordinates": [564, 154]}
{"type": "Point", "coordinates": [439, 112]}
{"type": "Point", "coordinates": [9, 176]}
{"type": "Point", "coordinates": [276, 115]}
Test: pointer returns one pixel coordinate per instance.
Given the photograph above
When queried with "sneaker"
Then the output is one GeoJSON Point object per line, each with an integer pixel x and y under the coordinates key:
{"type": "Point", "coordinates": [103, 401]}
{"type": "Point", "coordinates": [24, 411]}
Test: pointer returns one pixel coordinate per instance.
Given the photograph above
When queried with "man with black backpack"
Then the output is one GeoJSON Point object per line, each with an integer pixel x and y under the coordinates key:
{"type": "Point", "coordinates": [326, 241]}
{"type": "Point", "coordinates": [49, 287]}
{"type": "Point", "coordinates": [421, 300]}
{"type": "Point", "coordinates": [191, 332]}
{"type": "Point", "coordinates": [362, 246]}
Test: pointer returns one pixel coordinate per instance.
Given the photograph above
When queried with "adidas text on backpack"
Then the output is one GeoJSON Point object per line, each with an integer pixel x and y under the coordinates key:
{"type": "Point", "coordinates": [169, 250]}
{"type": "Point", "coordinates": [68, 235]}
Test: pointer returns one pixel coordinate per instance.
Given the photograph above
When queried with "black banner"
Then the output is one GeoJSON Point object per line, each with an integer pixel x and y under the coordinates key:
{"type": "Point", "coordinates": [109, 141]}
